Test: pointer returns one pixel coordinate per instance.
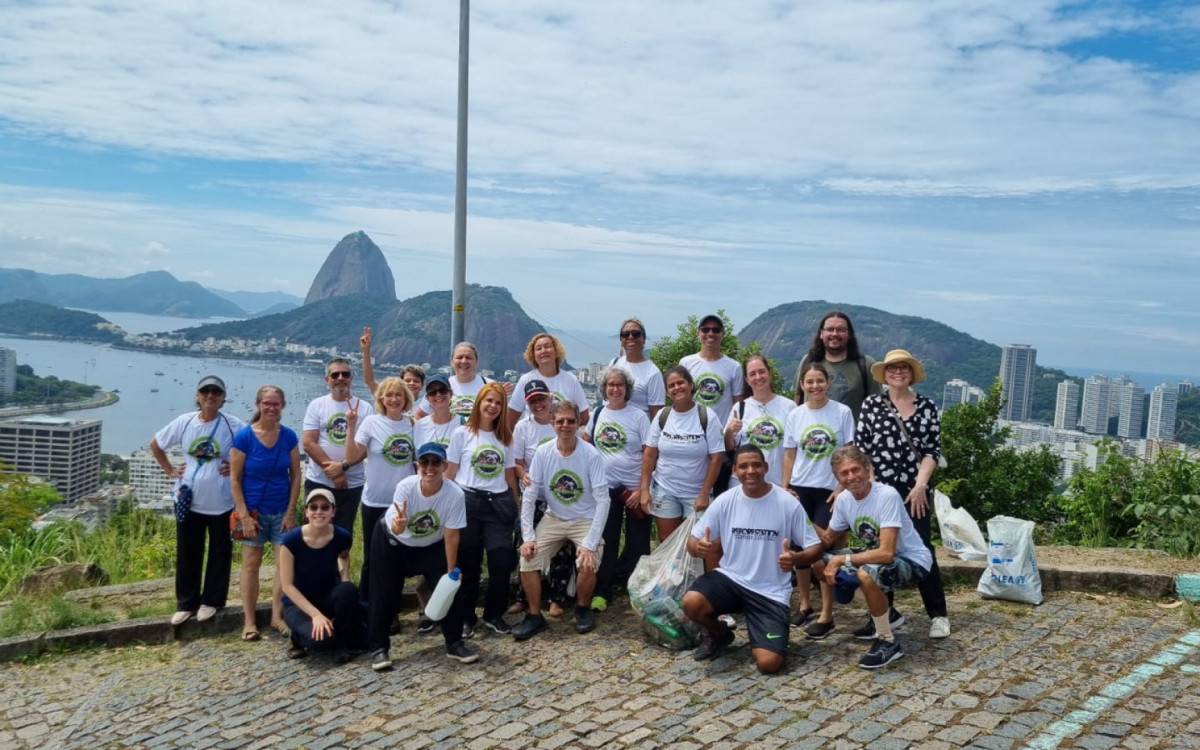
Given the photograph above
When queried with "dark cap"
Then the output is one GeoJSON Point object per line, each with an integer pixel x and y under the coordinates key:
{"type": "Point", "coordinates": [714, 318]}
{"type": "Point", "coordinates": [431, 449]}
{"type": "Point", "coordinates": [844, 585]}
{"type": "Point", "coordinates": [535, 388]}
{"type": "Point", "coordinates": [208, 380]}
{"type": "Point", "coordinates": [437, 378]}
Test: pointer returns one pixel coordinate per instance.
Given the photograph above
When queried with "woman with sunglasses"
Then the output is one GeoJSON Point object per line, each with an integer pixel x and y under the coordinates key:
{"type": "Point", "coordinates": [648, 394]}
{"type": "Point", "coordinates": [265, 478]}
{"type": "Point", "coordinates": [320, 603]}
{"type": "Point", "coordinates": [385, 440]}
{"type": "Point", "coordinates": [547, 354]}
{"type": "Point", "coordinates": [441, 421]}
{"type": "Point", "coordinates": [481, 460]}
{"type": "Point", "coordinates": [205, 436]}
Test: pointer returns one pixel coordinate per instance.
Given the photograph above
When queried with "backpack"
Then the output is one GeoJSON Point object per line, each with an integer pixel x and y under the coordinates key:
{"type": "Point", "coordinates": [665, 412]}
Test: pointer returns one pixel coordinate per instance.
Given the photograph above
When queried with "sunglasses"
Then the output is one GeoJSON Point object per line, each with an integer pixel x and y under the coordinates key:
{"type": "Point", "coordinates": [566, 421]}
{"type": "Point", "coordinates": [430, 461]}
{"type": "Point", "coordinates": [711, 329]}
{"type": "Point", "coordinates": [336, 374]}
{"type": "Point", "coordinates": [632, 334]}
{"type": "Point", "coordinates": [320, 507]}
{"type": "Point", "coordinates": [211, 390]}
{"type": "Point", "coordinates": [437, 391]}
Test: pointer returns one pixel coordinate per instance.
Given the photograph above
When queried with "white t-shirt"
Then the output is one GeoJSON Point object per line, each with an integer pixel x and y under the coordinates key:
{"type": "Point", "coordinates": [717, 383]}
{"type": "Point", "coordinates": [683, 450]}
{"type": "Point", "coordinates": [427, 431]}
{"type": "Point", "coordinates": [752, 531]}
{"type": "Point", "coordinates": [648, 387]}
{"type": "Point", "coordinates": [462, 395]}
{"type": "Point", "coordinates": [882, 508]}
{"type": "Point", "coordinates": [563, 387]}
{"type": "Point", "coordinates": [762, 426]}
{"type": "Point", "coordinates": [205, 447]}
{"type": "Point", "coordinates": [481, 458]}
{"type": "Point", "coordinates": [328, 418]}
{"type": "Point", "coordinates": [428, 517]}
{"type": "Point", "coordinates": [391, 456]}
{"type": "Point", "coordinates": [619, 438]}
{"type": "Point", "coordinates": [528, 436]}
{"type": "Point", "coordinates": [815, 433]}
{"type": "Point", "coordinates": [575, 488]}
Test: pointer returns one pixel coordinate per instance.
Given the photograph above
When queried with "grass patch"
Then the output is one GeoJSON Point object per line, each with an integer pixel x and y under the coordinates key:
{"type": "Point", "coordinates": [50, 612]}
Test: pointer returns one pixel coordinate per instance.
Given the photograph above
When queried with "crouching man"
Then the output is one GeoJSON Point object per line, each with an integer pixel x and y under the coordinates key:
{"type": "Point", "coordinates": [752, 528]}
{"type": "Point", "coordinates": [895, 559]}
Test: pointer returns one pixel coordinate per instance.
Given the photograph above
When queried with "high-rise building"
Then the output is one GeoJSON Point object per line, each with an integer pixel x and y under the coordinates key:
{"type": "Point", "coordinates": [1066, 405]}
{"type": "Point", "coordinates": [954, 393]}
{"type": "Point", "coordinates": [149, 481]}
{"type": "Point", "coordinates": [64, 452]}
{"type": "Point", "coordinates": [1185, 386]}
{"type": "Point", "coordinates": [1161, 424]}
{"type": "Point", "coordinates": [8, 372]}
{"type": "Point", "coordinates": [1114, 395]}
{"type": "Point", "coordinates": [1096, 395]}
{"type": "Point", "coordinates": [1018, 362]}
{"type": "Point", "coordinates": [1133, 405]}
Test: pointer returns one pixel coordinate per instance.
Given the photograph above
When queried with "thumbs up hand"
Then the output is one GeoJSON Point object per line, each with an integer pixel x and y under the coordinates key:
{"type": "Point", "coordinates": [786, 562]}
{"type": "Point", "coordinates": [704, 546]}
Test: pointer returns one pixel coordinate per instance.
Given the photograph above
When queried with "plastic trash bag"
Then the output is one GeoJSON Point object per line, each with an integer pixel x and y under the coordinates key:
{"type": "Point", "coordinates": [656, 589]}
{"type": "Point", "coordinates": [960, 532]}
{"type": "Point", "coordinates": [1012, 571]}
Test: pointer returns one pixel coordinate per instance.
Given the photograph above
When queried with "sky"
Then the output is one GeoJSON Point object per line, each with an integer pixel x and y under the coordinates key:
{"type": "Point", "coordinates": [1024, 171]}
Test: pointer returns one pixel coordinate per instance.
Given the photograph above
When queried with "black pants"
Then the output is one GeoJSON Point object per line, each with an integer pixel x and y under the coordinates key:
{"type": "Point", "coordinates": [490, 525]}
{"type": "Point", "coordinates": [189, 561]}
{"type": "Point", "coordinates": [637, 543]}
{"type": "Point", "coordinates": [933, 594]}
{"type": "Point", "coordinates": [393, 562]}
{"type": "Point", "coordinates": [370, 519]}
{"type": "Point", "coordinates": [347, 503]}
{"type": "Point", "coordinates": [341, 605]}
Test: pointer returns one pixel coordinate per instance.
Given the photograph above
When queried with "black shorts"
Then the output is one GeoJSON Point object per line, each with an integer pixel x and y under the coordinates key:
{"type": "Point", "coordinates": [766, 619]}
{"type": "Point", "coordinates": [814, 501]}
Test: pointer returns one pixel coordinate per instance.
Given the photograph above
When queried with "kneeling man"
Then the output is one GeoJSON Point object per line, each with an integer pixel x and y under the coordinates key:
{"type": "Point", "coordinates": [752, 528]}
{"type": "Point", "coordinates": [569, 473]}
{"type": "Point", "coordinates": [896, 558]}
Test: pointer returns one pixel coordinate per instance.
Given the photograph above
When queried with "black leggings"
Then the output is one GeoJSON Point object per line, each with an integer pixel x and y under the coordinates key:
{"type": "Point", "coordinates": [339, 604]}
{"type": "Point", "coordinates": [933, 595]}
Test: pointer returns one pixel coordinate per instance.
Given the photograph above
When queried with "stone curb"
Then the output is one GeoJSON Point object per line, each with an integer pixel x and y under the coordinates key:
{"type": "Point", "coordinates": [1134, 582]}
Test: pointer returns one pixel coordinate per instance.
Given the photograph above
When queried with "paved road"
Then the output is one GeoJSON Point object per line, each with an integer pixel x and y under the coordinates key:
{"type": "Point", "coordinates": [1075, 672]}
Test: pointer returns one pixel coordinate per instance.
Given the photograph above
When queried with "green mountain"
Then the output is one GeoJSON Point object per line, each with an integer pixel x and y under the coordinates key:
{"type": "Point", "coordinates": [28, 318]}
{"type": "Point", "coordinates": [411, 330]}
{"type": "Point", "coordinates": [150, 293]}
{"type": "Point", "coordinates": [786, 332]}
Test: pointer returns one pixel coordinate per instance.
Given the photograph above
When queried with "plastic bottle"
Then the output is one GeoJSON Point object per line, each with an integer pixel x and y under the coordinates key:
{"type": "Point", "coordinates": [439, 602]}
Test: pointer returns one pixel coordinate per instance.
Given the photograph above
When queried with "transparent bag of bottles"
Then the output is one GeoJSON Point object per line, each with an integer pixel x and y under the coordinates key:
{"type": "Point", "coordinates": [657, 586]}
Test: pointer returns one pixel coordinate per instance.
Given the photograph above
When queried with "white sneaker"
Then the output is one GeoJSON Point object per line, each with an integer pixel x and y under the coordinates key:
{"type": "Point", "coordinates": [180, 617]}
{"type": "Point", "coordinates": [205, 613]}
{"type": "Point", "coordinates": [939, 627]}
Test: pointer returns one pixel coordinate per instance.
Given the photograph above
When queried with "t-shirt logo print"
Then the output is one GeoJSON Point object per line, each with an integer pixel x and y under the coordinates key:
{"type": "Point", "coordinates": [611, 438]}
{"type": "Point", "coordinates": [487, 461]}
{"type": "Point", "coordinates": [398, 449]}
{"type": "Point", "coordinates": [710, 387]}
{"type": "Point", "coordinates": [765, 433]}
{"type": "Point", "coordinates": [566, 486]}
{"type": "Point", "coordinates": [336, 428]}
{"type": "Point", "coordinates": [867, 530]}
{"type": "Point", "coordinates": [424, 524]}
{"type": "Point", "coordinates": [204, 449]}
{"type": "Point", "coordinates": [818, 441]}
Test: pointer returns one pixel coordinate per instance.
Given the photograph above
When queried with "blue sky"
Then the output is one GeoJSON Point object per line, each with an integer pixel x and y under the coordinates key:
{"type": "Point", "coordinates": [1023, 171]}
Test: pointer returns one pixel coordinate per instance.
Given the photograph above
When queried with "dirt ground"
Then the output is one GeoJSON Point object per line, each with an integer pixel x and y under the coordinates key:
{"type": "Point", "coordinates": [1108, 557]}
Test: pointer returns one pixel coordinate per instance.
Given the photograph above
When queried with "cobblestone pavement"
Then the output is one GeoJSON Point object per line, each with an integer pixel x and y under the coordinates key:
{"type": "Point", "coordinates": [1075, 672]}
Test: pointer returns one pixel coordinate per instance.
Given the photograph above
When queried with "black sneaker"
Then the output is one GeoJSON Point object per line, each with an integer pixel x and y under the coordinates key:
{"type": "Point", "coordinates": [712, 646]}
{"type": "Point", "coordinates": [529, 627]}
{"type": "Point", "coordinates": [425, 625]}
{"type": "Point", "coordinates": [867, 632]}
{"type": "Point", "coordinates": [584, 621]}
{"type": "Point", "coordinates": [498, 624]}
{"type": "Point", "coordinates": [461, 653]}
{"type": "Point", "coordinates": [802, 616]}
{"type": "Point", "coordinates": [380, 661]}
{"type": "Point", "coordinates": [818, 631]}
{"type": "Point", "coordinates": [468, 630]}
{"type": "Point", "coordinates": [881, 654]}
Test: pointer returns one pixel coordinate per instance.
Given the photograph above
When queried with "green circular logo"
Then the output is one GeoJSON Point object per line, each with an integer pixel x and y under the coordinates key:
{"type": "Point", "coordinates": [818, 442]}
{"type": "Point", "coordinates": [710, 388]}
{"type": "Point", "coordinates": [423, 524]}
{"type": "Point", "coordinates": [610, 438]}
{"type": "Point", "coordinates": [204, 449]}
{"type": "Point", "coordinates": [487, 461]}
{"type": "Point", "coordinates": [566, 486]}
{"type": "Point", "coordinates": [336, 428]}
{"type": "Point", "coordinates": [398, 449]}
{"type": "Point", "coordinates": [765, 433]}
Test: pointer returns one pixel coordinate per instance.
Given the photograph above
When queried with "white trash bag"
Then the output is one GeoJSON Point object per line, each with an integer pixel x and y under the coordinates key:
{"type": "Point", "coordinates": [657, 585]}
{"type": "Point", "coordinates": [960, 532]}
{"type": "Point", "coordinates": [1012, 571]}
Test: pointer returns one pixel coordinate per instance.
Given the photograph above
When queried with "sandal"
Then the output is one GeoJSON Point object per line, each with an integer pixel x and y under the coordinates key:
{"type": "Point", "coordinates": [296, 652]}
{"type": "Point", "coordinates": [250, 635]}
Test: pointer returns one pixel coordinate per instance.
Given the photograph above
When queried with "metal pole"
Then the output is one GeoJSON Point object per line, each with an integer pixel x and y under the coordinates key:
{"type": "Point", "coordinates": [459, 295]}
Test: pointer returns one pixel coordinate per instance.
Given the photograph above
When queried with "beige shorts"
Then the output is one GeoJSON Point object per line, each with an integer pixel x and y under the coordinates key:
{"type": "Point", "coordinates": [552, 534]}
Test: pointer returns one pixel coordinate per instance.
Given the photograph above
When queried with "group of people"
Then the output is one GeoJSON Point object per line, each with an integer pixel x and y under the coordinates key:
{"type": "Point", "coordinates": [450, 472]}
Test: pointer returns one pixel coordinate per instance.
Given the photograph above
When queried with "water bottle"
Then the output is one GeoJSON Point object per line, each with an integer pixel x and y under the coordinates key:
{"type": "Point", "coordinates": [439, 602]}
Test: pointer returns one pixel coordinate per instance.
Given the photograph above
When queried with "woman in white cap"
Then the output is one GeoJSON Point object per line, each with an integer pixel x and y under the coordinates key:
{"type": "Point", "coordinates": [202, 485]}
{"type": "Point", "coordinates": [901, 431]}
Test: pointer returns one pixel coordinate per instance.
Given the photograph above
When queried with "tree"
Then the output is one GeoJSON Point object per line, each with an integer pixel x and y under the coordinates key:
{"type": "Point", "coordinates": [988, 478]}
{"type": "Point", "coordinates": [21, 499]}
{"type": "Point", "coordinates": [668, 350]}
{"type": "Point", "coordinates": [114, 469]}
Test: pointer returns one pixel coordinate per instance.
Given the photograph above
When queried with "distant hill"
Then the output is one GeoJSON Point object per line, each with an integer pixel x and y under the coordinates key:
{"type": "Point", "coordinates": [260, 303]}
{"type": "Point", "coordinates": [29, 318]}
{"type": "Point", "coordinates": [411, 330]}
{"type": "Point", "coordinates": [786, 331]}
{"type": "Point", "coordinates": [150, 293]}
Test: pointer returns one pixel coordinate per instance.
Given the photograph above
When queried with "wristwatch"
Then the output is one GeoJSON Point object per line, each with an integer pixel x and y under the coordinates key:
{"type": "Point", "coordinates": [847, 562]}
{"type": "Point", "coordinates": [345, 467]}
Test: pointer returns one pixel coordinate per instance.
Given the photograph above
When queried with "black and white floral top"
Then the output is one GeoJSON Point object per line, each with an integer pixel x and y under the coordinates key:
{"type": "Point", "coordinates": [891, 455]}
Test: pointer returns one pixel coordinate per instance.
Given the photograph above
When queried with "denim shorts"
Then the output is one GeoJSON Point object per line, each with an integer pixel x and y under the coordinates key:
{"type": "Point", "coordinates": [665, 505]}
{"type": "Point", "coordinates": [900, 573]}
{"type": "Point", "coordinates": [268, 530]}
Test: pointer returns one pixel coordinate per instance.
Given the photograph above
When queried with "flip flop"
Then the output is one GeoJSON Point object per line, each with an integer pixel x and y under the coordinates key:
{"type": "Point", "coordinates": [251, 635]}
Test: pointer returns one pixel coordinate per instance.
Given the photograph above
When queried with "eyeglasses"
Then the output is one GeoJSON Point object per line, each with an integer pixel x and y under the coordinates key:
{"type": "Point", "coordinates": [211, 390]}
{"type": "Point", "coordinates": [271, 404]}
{"type": "Point", "coordinates": [437, 392]}
{"type": "Point", "coordinates": [842, 331]}
{"type": "Point", "coordinates": [632, 334]}
{"type": "Point", "coordinates": [711, 329]}
{"type": "Point", "coordinates": [336, 374]}
{"type": "Point", "coordinates": [566, 421]}
{"type": "Point", "coordinates": [320, 507]}
{"type": "Point", "coordinates": [897, 368]}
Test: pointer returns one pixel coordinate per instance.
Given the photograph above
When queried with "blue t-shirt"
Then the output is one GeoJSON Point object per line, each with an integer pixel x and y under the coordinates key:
{"type": "Point", "coordinates": [266, 479]}
{"type": "Point", "coordinates": [315, 571]}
